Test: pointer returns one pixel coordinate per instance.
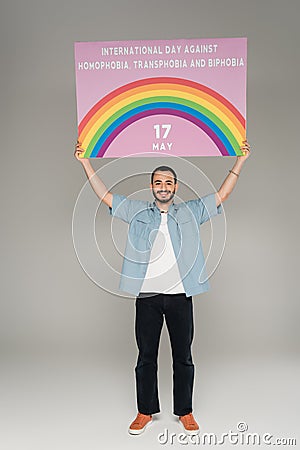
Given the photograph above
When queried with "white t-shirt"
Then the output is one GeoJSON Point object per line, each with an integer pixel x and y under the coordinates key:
{"type": "Point", "coordinates": [162, 274]}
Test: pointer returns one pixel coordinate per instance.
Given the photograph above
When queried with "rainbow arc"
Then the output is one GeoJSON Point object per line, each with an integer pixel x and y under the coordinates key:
{"type": "Point", "coordinates": [186, 99]}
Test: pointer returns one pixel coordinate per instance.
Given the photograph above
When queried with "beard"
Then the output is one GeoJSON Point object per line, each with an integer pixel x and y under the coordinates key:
{"type": "Point", "coordinates": [166, 199]}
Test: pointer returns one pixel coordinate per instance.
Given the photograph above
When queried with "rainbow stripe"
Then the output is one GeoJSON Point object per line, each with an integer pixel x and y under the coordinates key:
{"type": "Point", "coordinates": [186, 99]}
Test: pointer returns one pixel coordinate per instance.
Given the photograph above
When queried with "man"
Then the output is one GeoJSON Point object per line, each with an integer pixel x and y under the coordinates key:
{"type": "Point", "coordinates": [161, 267]}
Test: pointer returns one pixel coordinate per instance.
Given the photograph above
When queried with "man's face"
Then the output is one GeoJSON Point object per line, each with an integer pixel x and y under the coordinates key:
{"type": "Point", "coordinates": [163, 186]}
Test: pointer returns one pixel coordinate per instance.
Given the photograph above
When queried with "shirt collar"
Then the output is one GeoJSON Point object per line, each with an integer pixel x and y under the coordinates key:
{"type": "Point", "coordinates": [154, 206]}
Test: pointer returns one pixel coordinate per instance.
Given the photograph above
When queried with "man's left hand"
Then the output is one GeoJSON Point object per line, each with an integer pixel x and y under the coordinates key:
{"type": "Point", "coordinates": [245, 148]}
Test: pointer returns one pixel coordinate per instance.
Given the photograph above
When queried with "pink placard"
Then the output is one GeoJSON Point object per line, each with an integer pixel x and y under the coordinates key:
{"type": "Point", "coordinates": [183, 97]}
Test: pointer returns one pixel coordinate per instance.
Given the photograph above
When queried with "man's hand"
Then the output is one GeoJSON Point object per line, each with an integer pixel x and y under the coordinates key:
{"type": "Point", "coordinates": [245, 147]}
{"type": "Point", "coordinates": [79, 152]}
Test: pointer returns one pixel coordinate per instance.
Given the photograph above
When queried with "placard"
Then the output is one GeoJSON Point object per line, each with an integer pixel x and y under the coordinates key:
{"type": "Point", "coordinates": [183, 97]}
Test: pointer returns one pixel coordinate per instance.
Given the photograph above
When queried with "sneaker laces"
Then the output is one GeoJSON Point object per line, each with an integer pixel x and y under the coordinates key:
{"type": "Point", "coordinates": [190, 419]}
{"type": "Point", "coordinates": [140, 417]}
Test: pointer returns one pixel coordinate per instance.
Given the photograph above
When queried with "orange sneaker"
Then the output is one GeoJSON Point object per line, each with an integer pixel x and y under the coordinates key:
{"type": "Point", "coordinates": [189, 424]}
{"type": "Point", "coordinates": [140, 423]}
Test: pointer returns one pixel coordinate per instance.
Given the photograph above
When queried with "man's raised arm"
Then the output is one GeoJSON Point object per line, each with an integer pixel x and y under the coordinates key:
{"type": "Point", "coordinates": [97, 184]}
{"type": "Point", "coordinates": [231, 179]}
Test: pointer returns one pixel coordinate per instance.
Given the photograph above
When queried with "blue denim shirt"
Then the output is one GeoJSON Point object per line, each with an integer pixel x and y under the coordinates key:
{"type": "Point", "coordinates": [184, 220]}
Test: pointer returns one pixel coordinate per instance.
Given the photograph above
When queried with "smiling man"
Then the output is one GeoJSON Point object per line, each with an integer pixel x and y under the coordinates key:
{"type": "Point", "coordinates": [161, 268]}
{"type": "Point", "coordinates": [163, 184]}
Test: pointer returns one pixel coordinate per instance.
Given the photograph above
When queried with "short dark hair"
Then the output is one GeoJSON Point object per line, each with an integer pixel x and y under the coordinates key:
{"type": "Point", "coordinates": [164, 169]}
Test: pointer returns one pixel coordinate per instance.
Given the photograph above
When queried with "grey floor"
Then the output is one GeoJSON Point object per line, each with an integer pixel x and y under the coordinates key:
{"type": "Point", "coordinates": [86, 402]}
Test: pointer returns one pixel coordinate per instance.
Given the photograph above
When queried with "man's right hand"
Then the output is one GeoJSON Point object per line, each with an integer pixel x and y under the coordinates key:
{"type": "Point", "coordinates": [79, 152]}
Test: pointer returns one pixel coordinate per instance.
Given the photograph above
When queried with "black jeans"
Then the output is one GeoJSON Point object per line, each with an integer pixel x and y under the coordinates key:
{"type": "Point", "coordinates": [178, 312]}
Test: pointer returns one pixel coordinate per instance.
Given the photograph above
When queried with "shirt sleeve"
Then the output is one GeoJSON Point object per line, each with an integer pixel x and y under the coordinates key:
{"type": "Point", "coordinates": [125, 209]}
{"type": "Point", "coordinates": [205, 207]}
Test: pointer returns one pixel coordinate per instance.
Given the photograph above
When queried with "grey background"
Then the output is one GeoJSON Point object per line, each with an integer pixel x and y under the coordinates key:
{"type": "Point", "coordinates": [67, 347]}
